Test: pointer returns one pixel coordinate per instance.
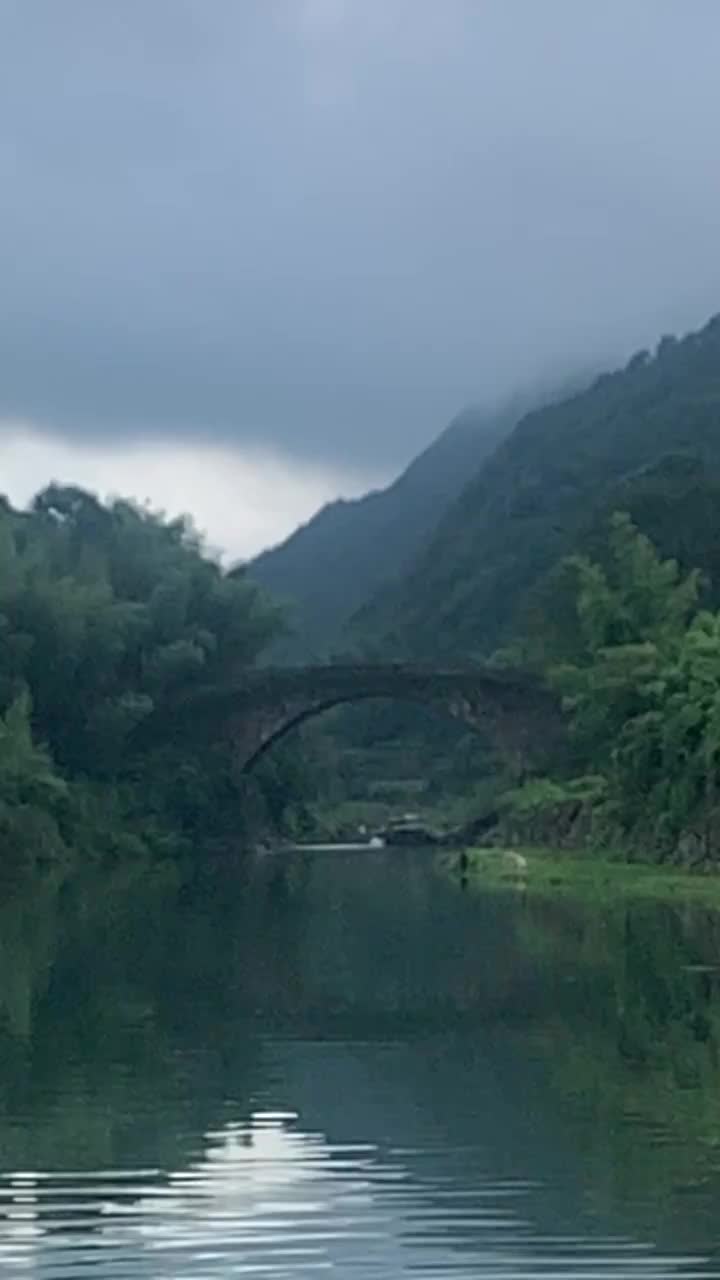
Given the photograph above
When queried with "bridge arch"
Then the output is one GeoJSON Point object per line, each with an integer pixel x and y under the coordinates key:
{"type": "Point", "coordinates": [287, 726]}
{"type": "Point", "coordinates": [267, 703]}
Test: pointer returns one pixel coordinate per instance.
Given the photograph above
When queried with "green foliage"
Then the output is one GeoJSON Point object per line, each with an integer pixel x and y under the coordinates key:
{"type": "Point", "coordinates": [26, 771]}
{"type": "Point", "coordinates": [537, 795]}
{"type": "Point", "coordinates": [563, 811]}
{"type": "Point", "coordinates": [32, 795]}
{"type": "Point", "coordinates": [106, 612]}
{"type": "Point", "coordinates": [642, 693]}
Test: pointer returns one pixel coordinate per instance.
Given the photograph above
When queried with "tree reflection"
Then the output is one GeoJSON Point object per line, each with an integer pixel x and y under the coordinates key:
{"type": "Point", "coordinates": [572, 1046]}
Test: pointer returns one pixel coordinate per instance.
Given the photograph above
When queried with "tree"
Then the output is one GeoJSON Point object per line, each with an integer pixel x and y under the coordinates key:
{"type": "Point", "coordinates": [107, 613]}
{"type": "Point", "coordinates": [643, 691]}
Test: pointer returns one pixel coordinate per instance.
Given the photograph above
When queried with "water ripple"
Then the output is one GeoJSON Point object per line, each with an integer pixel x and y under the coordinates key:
{"type": "Point", "coordinates": [265, 1198]}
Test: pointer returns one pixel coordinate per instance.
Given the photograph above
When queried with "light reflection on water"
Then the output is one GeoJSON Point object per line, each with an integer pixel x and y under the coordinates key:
{"type": "Point", "coordinates": [267, 1198]}
{"type": "Point", "coordinates": [358, 1070]}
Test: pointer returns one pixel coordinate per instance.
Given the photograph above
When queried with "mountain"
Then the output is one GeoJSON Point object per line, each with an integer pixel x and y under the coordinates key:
{"type": "Point", "coordinates": [646, 437]}
{"type": "Point", "coordinates": [330, 566]}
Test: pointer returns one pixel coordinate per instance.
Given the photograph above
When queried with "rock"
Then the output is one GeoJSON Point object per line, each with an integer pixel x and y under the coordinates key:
{"type": "Point", "coordinates": [500, 861]}
{"type": "Point", "coordinates": [516, 860]}
{"type": "Point", "coordinates": [690, 849]}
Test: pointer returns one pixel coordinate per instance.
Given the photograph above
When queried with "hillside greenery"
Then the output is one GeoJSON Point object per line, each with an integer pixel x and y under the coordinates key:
{"type": "Point", "coordinates": [329, 567]}
{"type": "Point", "coordinates": [645, 440]}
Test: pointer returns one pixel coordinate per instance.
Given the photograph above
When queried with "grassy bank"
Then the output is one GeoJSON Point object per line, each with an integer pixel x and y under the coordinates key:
{"type": "Point", "coordinates": [551, 873]}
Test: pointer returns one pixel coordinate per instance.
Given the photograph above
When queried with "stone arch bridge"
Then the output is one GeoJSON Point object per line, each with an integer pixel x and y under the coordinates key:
{"type": "Point", "coordinates": [267, 702]}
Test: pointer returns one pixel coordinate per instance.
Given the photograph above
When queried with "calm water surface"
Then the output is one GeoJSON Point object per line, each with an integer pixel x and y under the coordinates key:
{"type": "Point", "coordinates": [349, 1066]}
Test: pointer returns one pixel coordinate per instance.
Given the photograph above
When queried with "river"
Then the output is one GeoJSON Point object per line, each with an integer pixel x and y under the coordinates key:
{"type": "Point", "coordinates": [351, 1066]}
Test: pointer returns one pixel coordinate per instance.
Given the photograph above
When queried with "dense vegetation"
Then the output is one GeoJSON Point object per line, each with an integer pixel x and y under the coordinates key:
{"type": "Point", "coordinates": [636, 660]}
{"type": "Point", "coordinates": [633, 652]}
{"type": "Point", "coordinates": [107, 612]}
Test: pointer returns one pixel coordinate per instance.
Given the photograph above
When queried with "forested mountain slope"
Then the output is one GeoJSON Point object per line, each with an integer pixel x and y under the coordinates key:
{"type": "Point", "coordinates": [330, 566]}
{"type": "Point", "coordinates": [646, 438]}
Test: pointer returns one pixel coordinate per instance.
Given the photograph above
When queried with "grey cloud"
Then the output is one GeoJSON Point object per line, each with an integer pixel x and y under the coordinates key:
{"type": "Point", "coordinates": [324, 225]}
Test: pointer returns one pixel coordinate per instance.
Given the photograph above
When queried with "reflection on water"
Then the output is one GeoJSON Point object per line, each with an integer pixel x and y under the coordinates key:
{"type": "Point", "coordinates": [350, 1066]}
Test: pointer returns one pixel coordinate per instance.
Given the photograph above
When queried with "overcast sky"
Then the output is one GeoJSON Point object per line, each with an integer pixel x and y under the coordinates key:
{"type": "Point", "coordinates": [254, 253]}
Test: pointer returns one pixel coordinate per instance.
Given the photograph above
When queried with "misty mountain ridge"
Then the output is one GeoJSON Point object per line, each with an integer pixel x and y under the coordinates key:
{"type": "Point", "coordinates": [645, 439]}
{"type": "Point", "coordinates": [330, 566]}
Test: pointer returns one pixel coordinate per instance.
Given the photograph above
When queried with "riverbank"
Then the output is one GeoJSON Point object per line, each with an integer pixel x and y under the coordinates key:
{"type": "Point", "coordinates": [553, 873]}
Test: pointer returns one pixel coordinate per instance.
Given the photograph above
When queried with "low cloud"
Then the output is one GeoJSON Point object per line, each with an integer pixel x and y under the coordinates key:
{"type": "Point", "coordinates": [320, 227]}
{"type": "Point", "coordinates": [241, 500]}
